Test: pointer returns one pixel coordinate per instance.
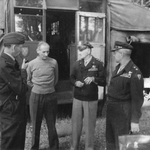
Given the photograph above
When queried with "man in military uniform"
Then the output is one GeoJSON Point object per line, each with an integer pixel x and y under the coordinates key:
{"type": "Point", "coordinates": [87, 74]}
{"type": "Point", "coordinates": [13, 88]}
{"type": "Point", "coordinates": [125, 97]}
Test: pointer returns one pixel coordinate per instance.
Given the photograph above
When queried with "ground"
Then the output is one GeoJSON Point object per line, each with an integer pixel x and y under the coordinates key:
{"type": "Point", "coordinates": [63, 126]}
{"type": "Point", "coordinates": [64, 132]}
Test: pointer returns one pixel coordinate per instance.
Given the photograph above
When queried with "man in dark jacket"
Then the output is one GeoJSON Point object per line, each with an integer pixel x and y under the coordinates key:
{"type": "Point", "coordinates": [87, 74]}
{"type": "Point", "coordinates": [13, 88]}
{"type": "Point", "coordinates": [125, 97]}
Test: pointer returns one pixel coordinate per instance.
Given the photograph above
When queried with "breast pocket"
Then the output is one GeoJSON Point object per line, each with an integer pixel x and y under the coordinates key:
{"type": "Point", "coordinates": [93, 72]}
{"type": "Point", "coordinates": [10, 107]}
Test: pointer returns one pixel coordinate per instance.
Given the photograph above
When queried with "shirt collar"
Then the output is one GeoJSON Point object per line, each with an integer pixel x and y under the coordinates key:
{"type": "Point", "coordinates": [88, 60]}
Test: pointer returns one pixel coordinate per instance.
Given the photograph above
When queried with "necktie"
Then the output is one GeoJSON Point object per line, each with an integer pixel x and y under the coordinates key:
{"type": "Point", "coordinates": [85, 63]}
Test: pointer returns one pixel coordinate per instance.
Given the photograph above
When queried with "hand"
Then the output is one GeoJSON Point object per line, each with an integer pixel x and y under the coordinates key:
{"type": "Point", "coordinates": [79, 83]}
{"type": "Point", "coordinates": [24, 64]}
{"type": "Point", "coordinates": [135, 127]}
{"type": "Point", "coordinates": [88, 80]}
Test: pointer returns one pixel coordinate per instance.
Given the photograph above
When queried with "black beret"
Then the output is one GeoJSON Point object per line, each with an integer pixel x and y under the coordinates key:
{"type": "Point", "coordinates": [13, 38]}
{"type": "Point", "coordinates": [84, 46]}
{"type": "Point", "coordinates": [122, 45]}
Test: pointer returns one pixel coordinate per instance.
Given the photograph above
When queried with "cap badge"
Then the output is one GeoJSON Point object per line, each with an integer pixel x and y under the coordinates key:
{"type": "Point", "coordinates": [139, 76]}
{"type": "Point", "coordinates": [118, 47]}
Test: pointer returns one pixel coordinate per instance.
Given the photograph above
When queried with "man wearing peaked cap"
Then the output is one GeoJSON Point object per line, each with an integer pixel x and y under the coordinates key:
{"type": "Point", "coordinates": [13, 38]}
{"type": "Point", "coordinates": [125, 97]}
{"type": "Point", "coordinates": [84, 50]}
{"type": "Point", "coordinates": [13, 88]}
{"type": "Point", "coordinates": [122, 45]}
{"type": "Point", "coordinates": [87, 73]}
{"type": "Point", "coordinates": [84, 46]}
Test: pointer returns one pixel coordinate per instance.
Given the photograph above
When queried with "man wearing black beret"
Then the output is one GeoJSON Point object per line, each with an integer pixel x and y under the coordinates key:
{"type": "Point", "coordinates": [125, 97]}
{"type": "Point", "coordinates": [87, 74]}
{"type": "Point", "coordinates": [13, 88]}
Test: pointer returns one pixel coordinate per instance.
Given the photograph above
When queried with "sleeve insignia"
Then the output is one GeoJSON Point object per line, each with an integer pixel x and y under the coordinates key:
{"type": "Point", "coordinates": [139, 76]}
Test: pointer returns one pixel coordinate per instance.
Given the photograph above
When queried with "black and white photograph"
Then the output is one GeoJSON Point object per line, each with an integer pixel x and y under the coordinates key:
{"type": "Point", "coordinates": [74, 74]}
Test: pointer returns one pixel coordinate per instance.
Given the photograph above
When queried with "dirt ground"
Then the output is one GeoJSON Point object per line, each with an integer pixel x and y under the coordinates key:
{"type": "Point", "coordinates": [64, 133]}
{"type": "Point", "coordinates": [63, 126]}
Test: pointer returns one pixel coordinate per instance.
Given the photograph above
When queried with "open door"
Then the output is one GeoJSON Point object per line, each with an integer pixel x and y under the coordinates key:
{"type": "Point", "coordinates": [91, 27]}
{"type": "Point", "coordinates": [60, 30]}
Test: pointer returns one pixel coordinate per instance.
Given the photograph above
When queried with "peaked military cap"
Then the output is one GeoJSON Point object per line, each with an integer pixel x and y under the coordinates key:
{"type": "Point", "coordinates": [84, 46]}
{"type": "Point", "coordinates": [122, 45]}
{"type": "Point", "coordinates": [13, 38]}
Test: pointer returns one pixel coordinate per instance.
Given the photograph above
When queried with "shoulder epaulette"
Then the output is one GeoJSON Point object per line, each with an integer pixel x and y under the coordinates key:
{"type": "Point", "coordinates": [136, 68]}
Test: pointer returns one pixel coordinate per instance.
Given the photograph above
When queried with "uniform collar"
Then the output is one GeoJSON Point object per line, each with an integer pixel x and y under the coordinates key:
{"type": "Point", "coordinates": [81, 62]}
{"type": "Point", "coordinates": [9, 55]}
{"type": "Point", "coordinates": [127, 68]}
{"type": "Point", "coordinates": [87, 61]}
{"type": "Point", "coordinates": [8, 58]}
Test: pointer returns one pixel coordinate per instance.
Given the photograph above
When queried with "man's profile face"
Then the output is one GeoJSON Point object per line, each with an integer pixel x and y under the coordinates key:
{"type": "Point", "coordinates": [83, 54]}
{"type": "Point", "coordinates": [43, 51]}
{"type": "Point", "coordinates": [118, 55]}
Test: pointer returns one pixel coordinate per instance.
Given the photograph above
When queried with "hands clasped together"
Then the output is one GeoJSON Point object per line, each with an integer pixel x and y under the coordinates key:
{"type": "Point", "coordinates": [87, 80]}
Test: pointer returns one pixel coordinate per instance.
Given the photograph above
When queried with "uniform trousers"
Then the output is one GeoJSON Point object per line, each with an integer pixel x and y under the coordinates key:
{"type": "Point", "coordinates": [43, 105]}
{"type": "Point", "coordinates": [118, 116]}
{"type": "Point", "coordinates": [13, 125]}
{"type": "Point", "coordinates": [88, 111]}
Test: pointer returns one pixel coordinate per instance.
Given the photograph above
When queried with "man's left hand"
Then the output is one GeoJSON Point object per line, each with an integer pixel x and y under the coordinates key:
{"type": "Point", "coordinates": [24, 64]}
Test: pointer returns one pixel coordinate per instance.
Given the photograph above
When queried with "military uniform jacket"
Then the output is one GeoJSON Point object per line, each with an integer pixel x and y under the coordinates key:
{"type": "Point", "coordinates": [93, 69]}
{"type": "Point", "coordinates": [12, 80]}
{"type": "Point", "coordinates": [127, 85]}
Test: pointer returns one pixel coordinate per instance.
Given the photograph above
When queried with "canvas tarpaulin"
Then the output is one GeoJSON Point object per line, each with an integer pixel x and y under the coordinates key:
{"type": "Point", "coordinates": [125, 15]}
{"type": "Point", "coordinates": [2, 19]}
{"type": "Point", "coordinates": [126, 19]}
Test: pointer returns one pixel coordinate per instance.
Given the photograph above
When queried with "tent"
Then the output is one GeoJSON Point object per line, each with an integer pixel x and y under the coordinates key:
{"type": "Point", "coordinates": [128, 21]}
{"type": "Point", "coordinates": [128, 16]}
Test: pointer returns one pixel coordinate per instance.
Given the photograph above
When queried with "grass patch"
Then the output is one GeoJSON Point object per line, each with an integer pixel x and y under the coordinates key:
{"type": "Point", "coordinates": [63, 126]}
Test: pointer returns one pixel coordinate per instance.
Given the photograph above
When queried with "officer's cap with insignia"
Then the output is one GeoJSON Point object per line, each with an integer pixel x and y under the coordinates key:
{"type": "Point", "coordinates": [121, 45]}
{"type": "Point", "coordinates": [13, 38]}
{"type": "Point", "coordinates": [84, 46]}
